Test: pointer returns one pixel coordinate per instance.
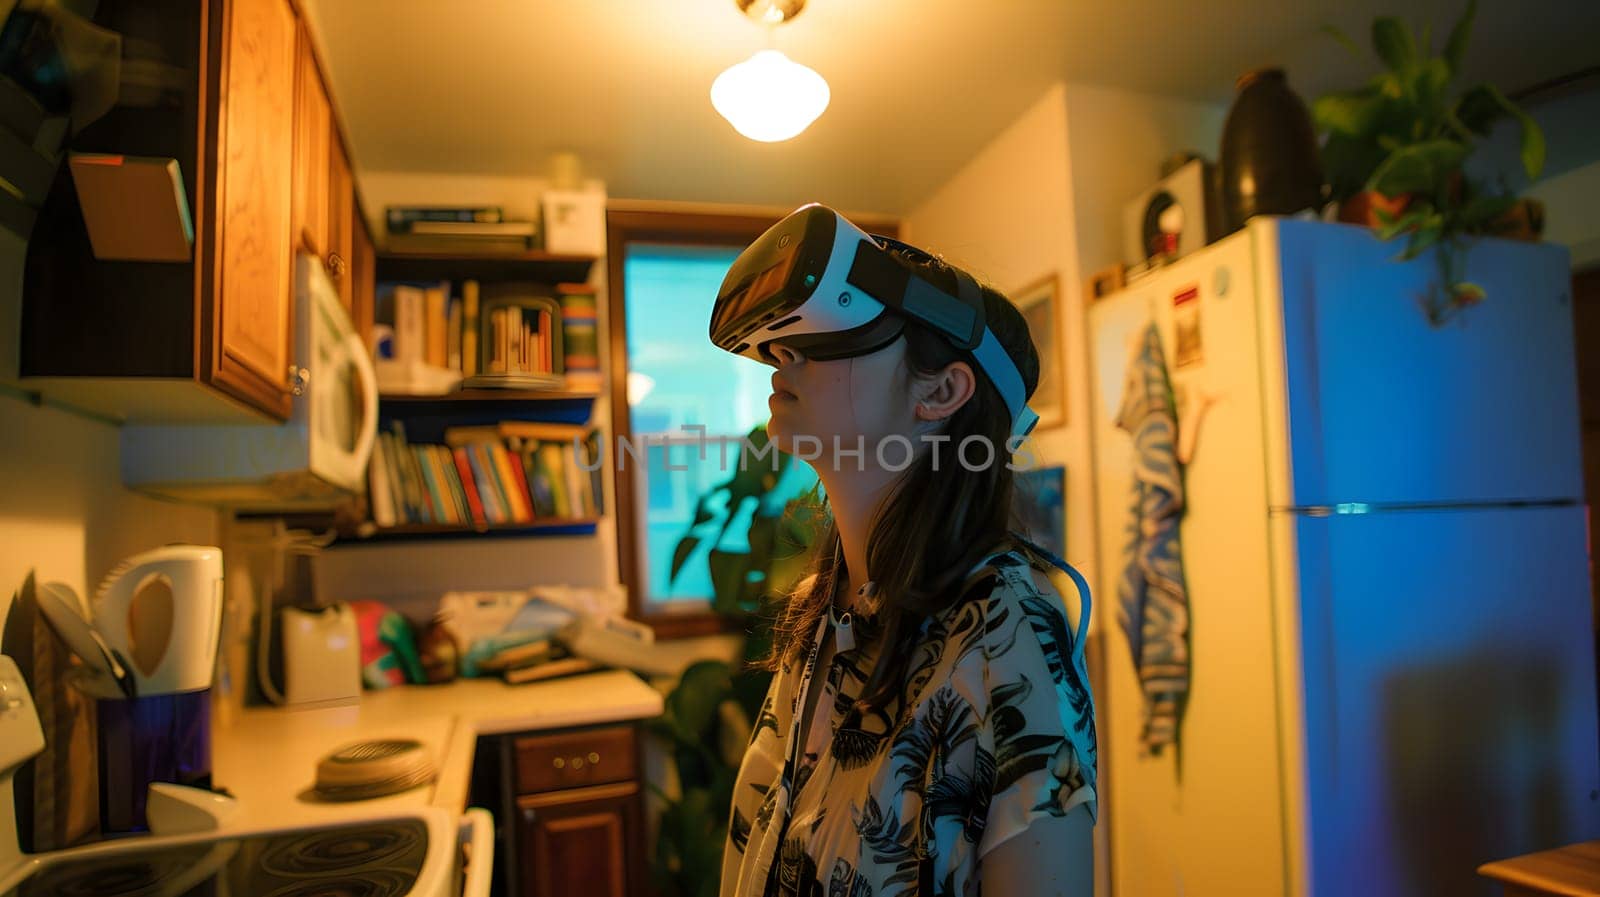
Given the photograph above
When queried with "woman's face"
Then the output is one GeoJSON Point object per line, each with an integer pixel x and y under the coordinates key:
{"type": "Point", "coordinates": [862, 400]}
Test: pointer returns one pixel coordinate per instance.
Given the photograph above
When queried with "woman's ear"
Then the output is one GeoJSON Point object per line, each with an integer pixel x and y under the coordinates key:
{"type": "Point", "coordinates": [941, 395]}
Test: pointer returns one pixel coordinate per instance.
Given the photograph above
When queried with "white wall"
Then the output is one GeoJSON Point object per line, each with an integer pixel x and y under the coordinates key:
{"type": "Point", "coordinates": [1572, 212]}
{"type": "Point", "coordinates": [1006, 217]}
{"type": "Point", "coordinates": [1044, 196]}
{"type": "Point", "coordinates": [1047, 195]}
{"type": "Point", "coordinates": [63, 511]}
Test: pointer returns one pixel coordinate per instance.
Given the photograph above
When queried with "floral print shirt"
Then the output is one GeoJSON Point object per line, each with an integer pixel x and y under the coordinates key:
{"type": "Point", "coordinates": [996, 728]}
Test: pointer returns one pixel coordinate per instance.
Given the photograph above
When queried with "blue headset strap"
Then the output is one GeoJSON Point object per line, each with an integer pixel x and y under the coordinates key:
{"type": "Point", "coordinates": [989, 354]}
{"type": "Point", "coordinates": [1082, 585]}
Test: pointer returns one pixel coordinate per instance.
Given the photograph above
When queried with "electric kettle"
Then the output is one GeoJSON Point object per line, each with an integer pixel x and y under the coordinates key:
{"type": "Point", "coordinates": [162, 610]}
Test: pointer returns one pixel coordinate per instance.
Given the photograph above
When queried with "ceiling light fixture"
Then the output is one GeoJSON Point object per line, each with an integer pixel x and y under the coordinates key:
{"type": "Point", "coordinates": [770, 97]}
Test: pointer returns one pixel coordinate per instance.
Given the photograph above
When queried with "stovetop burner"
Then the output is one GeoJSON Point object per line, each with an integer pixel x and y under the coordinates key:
{"type": "Point", "coordinates": [361, 860]}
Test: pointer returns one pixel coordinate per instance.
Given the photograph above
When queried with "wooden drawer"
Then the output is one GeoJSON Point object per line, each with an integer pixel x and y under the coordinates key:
{"type": "Point", "coordinates": [573, 759]}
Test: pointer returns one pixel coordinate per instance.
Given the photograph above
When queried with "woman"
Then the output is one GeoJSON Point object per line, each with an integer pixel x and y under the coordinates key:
{"type": "Point", "coordinates": [946, 740]}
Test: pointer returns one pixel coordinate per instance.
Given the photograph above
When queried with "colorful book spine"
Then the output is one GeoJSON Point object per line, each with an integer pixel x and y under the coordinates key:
{"type": "Point", "coordinates": [435, 499]}
{"type": "Point", "coordinates": [550, 454]}
{"type": "Point", "coordinates": [468, 487]}
{"type": "Point", "coordinates": [515, 460]}
{"type": "Point", "coordinates": [447, 470]}
{"type": "Point", "coordinates": [520, 512]}
{"type": "Point", "coordinates": [539, 493]}
{"type": "Point", "coordinates": [400, 218]}
{"type": "Point", "coordinates": [469, 327]}
{"type": "Point", "coordinates": [580, 340]}
{"type": "Point", "coordinates": [493, 505]}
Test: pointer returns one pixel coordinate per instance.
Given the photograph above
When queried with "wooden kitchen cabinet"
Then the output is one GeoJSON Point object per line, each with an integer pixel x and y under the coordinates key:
{"type": "Point", "coordinates": [340, 253]}
{"type": "Point", "coordinates": [253, 261]}
{"type": "Point", "coordinates": [570, 815]}
{"type": "Point", "coordinates": [208, 339]}
{"type": "Point", "coordinates": [579, 841]}
{"type": "Point", "coordinates": [313, 120]}
{"type": "Point", "coordinates": [363, 275]}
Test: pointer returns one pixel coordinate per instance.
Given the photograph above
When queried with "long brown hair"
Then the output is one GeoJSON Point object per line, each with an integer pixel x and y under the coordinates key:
{"type": "Point", "coordinates": [933, 525]}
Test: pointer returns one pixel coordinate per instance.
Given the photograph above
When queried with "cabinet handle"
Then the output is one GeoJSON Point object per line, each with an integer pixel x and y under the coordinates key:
{"type": "Point", "coordinates": [298, 377]}
{"type": "Point", "coordinates": [558, 763]}
{"type": "Point", "coordinates": [336, 264]}
{"type": "Point", "coordinates": [593, 758]}
{"type": "Point", "coordinates": [577, 762]}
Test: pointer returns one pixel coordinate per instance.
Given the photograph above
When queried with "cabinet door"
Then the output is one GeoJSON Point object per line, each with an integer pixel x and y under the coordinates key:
{"type": "Point", "coordinates": [579, 842]}
{"type": "Point", "coordinates": [341, 222]}
{"type": "Point", "coordinates": [313, 123]}
{"type": "Point", "coordinates": [251, 297]}
{"type": "Point", "coordinates": [363, 277]}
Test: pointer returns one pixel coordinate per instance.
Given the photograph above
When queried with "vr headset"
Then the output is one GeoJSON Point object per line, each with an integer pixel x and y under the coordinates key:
{"type": "Point", "coordinates": [830, 290]}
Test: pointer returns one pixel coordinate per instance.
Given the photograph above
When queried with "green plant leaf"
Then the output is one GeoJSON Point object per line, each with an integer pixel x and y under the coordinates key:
{"type": "Point", "coordinates": [1423, 237]}
{"type": "Point", "coordinates": [1344, 40]}
{"type": "Point", "coordinates": [1393, 42]}
{"type": "Point", "coordinates": [1455, 48]}
{"type": "Point", "coordinates": [1478, 110]}
{"type": "Point", "coordinates": [1418, 168]}
{"type": "Point", "coordinates": [1393, 227]}
{"type": "Point", "coordinates": [1353, 113]}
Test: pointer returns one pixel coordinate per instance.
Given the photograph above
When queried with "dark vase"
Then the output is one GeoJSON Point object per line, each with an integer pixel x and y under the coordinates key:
{"type": "Point", "coordinates": [1270, 163]}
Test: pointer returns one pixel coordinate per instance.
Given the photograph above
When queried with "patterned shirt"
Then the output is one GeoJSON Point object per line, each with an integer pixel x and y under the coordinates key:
{"type": "Point", "coordinates": [995, 729]}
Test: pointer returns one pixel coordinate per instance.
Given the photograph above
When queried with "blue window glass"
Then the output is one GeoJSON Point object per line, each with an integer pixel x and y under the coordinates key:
{"type": "Point", "coordinates": [677, 378]}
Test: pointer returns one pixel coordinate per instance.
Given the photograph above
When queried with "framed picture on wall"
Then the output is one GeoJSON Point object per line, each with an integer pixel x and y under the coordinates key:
{"type": "Point", "coordinates": [1042, 506]}
{"type": "Point", "coordinates": [1040, 304]}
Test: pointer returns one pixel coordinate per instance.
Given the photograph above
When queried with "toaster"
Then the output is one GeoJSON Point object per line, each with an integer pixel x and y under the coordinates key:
{"type": "Point", "coordinates": [321, 655]}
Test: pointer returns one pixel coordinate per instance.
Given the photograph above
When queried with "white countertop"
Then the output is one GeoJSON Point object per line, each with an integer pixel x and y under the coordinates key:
{"type": "Point", "coordinates": [267, 756]}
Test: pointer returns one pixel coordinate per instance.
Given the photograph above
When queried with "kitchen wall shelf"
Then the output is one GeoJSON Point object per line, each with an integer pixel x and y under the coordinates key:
{"type": "Point", "coordinates": [501, 395]}
{"type": "Point", "coordinates": [534, 265]}
{"type": "Point", "coordinates": [576, 526]}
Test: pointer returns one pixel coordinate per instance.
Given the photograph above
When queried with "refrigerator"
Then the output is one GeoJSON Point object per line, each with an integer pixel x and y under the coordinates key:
{"type": "Point", "coordinates": [1391, 644]}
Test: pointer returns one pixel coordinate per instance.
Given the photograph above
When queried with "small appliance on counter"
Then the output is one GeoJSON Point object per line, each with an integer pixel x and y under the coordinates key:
{"type": "Point", "coordinates": [160, 613]}
{"type": "Point", "coordinates": [411, 853]}
{"type": "Point", "coordinates": [321, 656]}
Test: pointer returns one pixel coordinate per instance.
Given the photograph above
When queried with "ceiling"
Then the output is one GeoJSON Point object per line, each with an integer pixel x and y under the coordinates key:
{"type": "Point", "coordinates": [497, 86]}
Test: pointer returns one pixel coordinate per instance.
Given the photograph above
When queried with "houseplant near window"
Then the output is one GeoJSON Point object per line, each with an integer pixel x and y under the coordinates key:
{"type": "Point", "coordinates": [706, 722]}
{"type": "Point", "coordinates": [1396, 147]}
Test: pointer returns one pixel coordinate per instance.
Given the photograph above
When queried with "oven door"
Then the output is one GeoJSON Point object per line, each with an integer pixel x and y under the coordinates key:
{"type": "Point", "coordinates": [477, 849]}
{"type": "Point", "coordinates": [339, 389]}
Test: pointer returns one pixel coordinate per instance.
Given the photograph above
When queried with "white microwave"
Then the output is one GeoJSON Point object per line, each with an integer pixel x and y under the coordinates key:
{"type": "Point", "coordinates": [315, 459]}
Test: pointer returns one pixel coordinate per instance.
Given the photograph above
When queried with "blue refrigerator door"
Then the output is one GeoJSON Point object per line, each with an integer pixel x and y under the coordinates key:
{"type": "Point", "coordinates": [1385, 408]}
{"type": "Point", "coordinates": [1449, 685]}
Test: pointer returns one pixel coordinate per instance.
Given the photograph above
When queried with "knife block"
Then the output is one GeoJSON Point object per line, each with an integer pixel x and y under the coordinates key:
{"type": "Point", "coordinates": [159, 738]}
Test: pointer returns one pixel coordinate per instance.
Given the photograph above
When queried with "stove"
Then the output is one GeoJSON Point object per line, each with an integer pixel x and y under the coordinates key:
{"type": "Point", "coordinates": [413, 854]}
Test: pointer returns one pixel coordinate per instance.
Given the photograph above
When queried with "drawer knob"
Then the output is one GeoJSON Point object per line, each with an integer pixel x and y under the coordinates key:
{"type": "Point", "coordinates": [577, 762]}
{"type": "Point", "coordinates": [336, 264]}
{"type": "Point", "coordinates": [593, 758]}
{"type": "Point", "coordinates": [559, 763]}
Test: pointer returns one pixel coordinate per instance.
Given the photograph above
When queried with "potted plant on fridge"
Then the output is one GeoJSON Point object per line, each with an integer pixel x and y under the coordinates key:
{"type": "Point", "coordinates": [1396, 147]}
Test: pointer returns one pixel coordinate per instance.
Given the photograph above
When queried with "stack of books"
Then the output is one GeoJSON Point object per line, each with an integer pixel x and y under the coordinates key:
{"type": "Point", "coordinates": [512, 473]}
{"type": "Point", "coordinates": [455, 230]}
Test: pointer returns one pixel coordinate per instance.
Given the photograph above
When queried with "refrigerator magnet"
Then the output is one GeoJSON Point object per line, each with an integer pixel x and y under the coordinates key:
{"type": "Point", "coordinates": [1186, 323]}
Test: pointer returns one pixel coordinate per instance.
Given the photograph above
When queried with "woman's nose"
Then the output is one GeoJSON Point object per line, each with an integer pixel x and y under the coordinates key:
{"type": "Point", "coordinates": [783, 355]}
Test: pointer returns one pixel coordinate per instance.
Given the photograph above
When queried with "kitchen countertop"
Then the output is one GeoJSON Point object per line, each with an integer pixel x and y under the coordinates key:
{"type": "Point", "coordinates": [267, 756]}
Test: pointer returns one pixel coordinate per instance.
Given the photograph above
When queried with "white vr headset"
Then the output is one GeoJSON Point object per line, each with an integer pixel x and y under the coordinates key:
{"type": "Point", "coordinates": [830, 290]}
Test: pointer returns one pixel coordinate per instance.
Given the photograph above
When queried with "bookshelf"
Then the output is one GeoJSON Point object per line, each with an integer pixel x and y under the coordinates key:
{"type": "Point", "coordinates": [425, 419]}
{"type": "Point", "coordinates": [411, 532]}
{"type": "Point", "coordinates": [534, 265]}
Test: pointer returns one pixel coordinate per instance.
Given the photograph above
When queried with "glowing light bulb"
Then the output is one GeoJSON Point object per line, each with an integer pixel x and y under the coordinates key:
{"type": "Point", "coordinates": [769, 97]}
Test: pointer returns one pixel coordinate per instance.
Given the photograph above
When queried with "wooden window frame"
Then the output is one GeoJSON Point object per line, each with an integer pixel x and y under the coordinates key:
{"type": "Point", "coordinates": [676, 225]}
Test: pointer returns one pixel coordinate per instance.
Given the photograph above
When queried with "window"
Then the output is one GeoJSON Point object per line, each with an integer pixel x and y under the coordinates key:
{"type": "Point", "coordinates": [664, 271]}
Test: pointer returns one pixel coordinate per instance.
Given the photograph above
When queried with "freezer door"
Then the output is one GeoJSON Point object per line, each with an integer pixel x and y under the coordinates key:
{"type": "Point", "coordinates": [1449, 675]}
{"type": "Point", "coordinates": [1384, 408]}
